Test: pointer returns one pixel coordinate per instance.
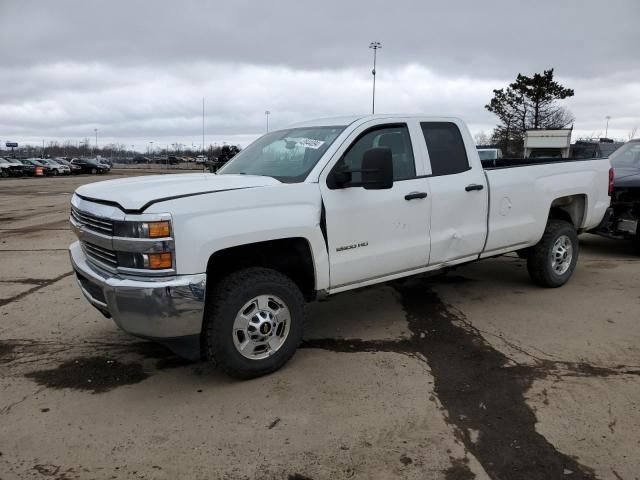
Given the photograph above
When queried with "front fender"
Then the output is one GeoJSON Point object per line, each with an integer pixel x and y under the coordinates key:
{"type": "Point", "coordinates": [206, 224]}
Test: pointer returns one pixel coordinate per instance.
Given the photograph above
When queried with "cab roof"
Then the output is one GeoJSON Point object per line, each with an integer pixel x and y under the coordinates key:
{"type": "Point", "coordinates": [349, 119]}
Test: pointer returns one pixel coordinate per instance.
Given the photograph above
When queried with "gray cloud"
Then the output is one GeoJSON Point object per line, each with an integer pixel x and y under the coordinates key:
{"type": "Point", "coordinates": [138, 70]}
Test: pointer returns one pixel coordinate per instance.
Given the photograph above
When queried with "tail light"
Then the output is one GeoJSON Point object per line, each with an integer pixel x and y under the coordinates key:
{"type": "Point", "coordinates": [611, 177]}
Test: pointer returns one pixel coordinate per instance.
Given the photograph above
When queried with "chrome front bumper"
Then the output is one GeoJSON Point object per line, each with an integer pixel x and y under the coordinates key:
{"type": "Point", "coordinates": [158, 309]}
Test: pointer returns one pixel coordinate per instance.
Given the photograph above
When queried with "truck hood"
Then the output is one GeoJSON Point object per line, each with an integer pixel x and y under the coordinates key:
{"type": "Point", "coordinates": [135, 194]}
{"type": "Point", "coordinates": [626, 177]}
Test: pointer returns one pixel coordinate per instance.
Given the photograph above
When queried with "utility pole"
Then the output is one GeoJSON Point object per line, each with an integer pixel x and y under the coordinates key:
{"type": "Point", "coordinates": [266, 114]}
{"type": "Point", "coordinates": [374, 46]}
{"type": "Point", "coordinates": [42, 156]}
{"type": "Point", "coordinates": [96, 130]}
{"type": "Point", "coordinates": [606, 130]}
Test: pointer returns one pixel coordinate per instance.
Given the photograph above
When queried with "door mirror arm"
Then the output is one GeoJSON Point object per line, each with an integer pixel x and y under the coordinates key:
{"type": "Point", "coordinates": [340, 178]}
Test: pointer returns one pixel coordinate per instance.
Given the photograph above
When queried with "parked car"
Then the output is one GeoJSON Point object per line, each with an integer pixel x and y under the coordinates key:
{"type": "Point", "coordinates": [28, 168]}
{"type": "Point", "coordinates": [9, 168]}
{"type": "Point", "coordinates": [310, 211]}
{"type": "Point", "coordinates": [489, 153]}
{"type": "Point", "coordinates": [56, 167]}
{"type": "Point", "coordinates": [103, 161]}
{"type": "Point", "coordinates": [622, 220]}
{"type": "Point", "coordinates": [72, 166]}
{"type": "Point", "coordinates": [90, 165]}
{"type": "Point", "coordinates": [37, 162]}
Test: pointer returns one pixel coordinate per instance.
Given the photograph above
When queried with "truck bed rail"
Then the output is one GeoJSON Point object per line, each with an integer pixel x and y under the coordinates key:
{"type": "Point", "coordinates": [495, 164]}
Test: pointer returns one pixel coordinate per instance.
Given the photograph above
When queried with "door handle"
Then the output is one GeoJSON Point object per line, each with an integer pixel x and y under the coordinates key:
{"type": "Point", "coordinates": [473, 186]}
{"type": "Point", "coordinates": [415, 195]}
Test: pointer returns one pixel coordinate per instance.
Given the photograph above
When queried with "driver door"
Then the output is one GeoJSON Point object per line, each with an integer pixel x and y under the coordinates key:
{"type": "Point", "coordinates": [376, 233]}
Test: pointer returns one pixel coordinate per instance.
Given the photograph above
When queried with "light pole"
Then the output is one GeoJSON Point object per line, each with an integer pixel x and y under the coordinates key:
{"type": "Point", "coordinates": [606, 130]}
{"type": "Point", "coordinates": [374, 46]}
{"type": "Point", "coordinates": [96, 130]}
{"type": "Point", "coordinates": [202, 125]}
{"type": "Point", "coordinates": [266, 114]}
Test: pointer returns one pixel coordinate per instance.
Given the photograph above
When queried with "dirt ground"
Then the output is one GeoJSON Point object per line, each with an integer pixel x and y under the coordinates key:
{"type": "Point", "coordinates": [475, 375]}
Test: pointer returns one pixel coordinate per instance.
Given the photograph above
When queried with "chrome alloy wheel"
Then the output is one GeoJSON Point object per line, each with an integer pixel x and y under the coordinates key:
{"type": "Point", "coordinates": [261, 327]}
{"type": "Point", "coordinates": [561, 255]}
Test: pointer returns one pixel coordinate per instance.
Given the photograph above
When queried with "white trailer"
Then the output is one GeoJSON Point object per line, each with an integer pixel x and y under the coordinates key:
{"type": "Point", "coordinates": [540, 143]}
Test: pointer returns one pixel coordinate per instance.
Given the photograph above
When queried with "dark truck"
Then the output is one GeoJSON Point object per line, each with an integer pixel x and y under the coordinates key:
{"type": "Point", "coordinates": [622, 218]}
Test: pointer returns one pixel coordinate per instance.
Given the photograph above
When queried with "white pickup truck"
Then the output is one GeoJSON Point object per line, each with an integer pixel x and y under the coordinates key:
{"type": "Point", "coordinates": [219, 266]}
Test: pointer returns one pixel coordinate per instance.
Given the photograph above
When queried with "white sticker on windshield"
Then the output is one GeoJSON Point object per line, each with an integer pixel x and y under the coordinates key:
{"type": "Point", "coordinates": [310, 143]}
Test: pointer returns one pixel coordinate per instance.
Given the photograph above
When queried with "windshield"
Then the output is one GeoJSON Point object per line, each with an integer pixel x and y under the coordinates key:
{"type": "Point", "coordinates": [286, 155]}
{"type": "Point", "coordinates": [488, 154]}
{"type": "Point", "coordinates": [2, 160]}
{"type": "Point", "coordinates": [627, 156]}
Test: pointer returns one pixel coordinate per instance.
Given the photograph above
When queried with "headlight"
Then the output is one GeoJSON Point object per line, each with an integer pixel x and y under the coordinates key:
{"type": "Point", "coordinates": [160, 229]}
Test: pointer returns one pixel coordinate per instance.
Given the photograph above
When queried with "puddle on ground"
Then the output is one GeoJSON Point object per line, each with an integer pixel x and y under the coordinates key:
{"type": "Point", "coordinates": [94, 374]}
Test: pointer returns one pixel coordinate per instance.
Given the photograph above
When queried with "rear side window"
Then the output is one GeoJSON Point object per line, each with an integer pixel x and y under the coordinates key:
{"type": "Point", "coordinates": [446, 148]}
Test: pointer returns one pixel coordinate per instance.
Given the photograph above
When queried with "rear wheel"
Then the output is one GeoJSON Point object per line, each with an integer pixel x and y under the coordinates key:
{"type": "Point", "coordinates": [4, 173]}
{"type": "Point", "coordinates": [552, 260]}
{"type": "Point", "coordinates": [254, 322]}
{"type": "Point", "coordinates": [94, 171]}
{"type": "Point", "coordinates": [54, 173]}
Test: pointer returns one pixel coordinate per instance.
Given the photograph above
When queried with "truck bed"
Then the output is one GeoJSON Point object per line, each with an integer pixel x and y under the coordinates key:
{"type": "Point", "coordinates": [520, 198]}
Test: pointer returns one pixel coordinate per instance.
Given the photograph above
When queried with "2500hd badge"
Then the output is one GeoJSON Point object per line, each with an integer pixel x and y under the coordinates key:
{"type": "Point", "coordinates": [349, 247]}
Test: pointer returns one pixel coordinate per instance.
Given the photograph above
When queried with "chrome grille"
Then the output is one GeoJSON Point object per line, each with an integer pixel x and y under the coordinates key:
{"type": "Point", "coordinates": [92, 222]}
{"type": "Point", "coordinates": [100, 255]}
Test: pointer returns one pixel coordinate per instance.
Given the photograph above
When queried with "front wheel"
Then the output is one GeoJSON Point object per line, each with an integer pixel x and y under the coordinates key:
{"type": "Point", "coordinates": [553, 259]}
{"type": "Point", "coordinates": [54, 173]}
{"type": "Point", "coordinates": [254, 322]}
{"type": "Point", "coordinates": [94, 171]}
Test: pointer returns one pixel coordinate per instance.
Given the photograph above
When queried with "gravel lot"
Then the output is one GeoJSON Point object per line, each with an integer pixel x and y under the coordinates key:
{"type": "Point", "coordinates": [478, 374]}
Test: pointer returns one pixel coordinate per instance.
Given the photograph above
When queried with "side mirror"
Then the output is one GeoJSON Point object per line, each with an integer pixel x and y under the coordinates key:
{"type": "Point", "coordinates": [376, 172]}
{"type": "Point", "coordinates": [377, 169]}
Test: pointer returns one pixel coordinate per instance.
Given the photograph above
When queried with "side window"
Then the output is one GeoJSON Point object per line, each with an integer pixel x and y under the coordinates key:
{"type": "Point", "coordinates": [446, 148]}
{"type": "Point", "coordinates": [396, 138]}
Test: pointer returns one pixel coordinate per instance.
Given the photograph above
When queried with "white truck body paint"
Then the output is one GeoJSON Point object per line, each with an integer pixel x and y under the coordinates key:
{"type": "Point", "coordinates": [450, 226]}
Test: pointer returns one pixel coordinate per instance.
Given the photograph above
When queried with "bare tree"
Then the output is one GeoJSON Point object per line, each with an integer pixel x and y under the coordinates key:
{"type": "Point", "coordinates": [632, 133]}
{"type": "Point", "coordinates": [482, 138]}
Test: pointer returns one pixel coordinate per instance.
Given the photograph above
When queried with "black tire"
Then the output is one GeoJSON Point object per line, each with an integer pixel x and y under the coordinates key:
{"type": "Point", "coordinates": [540, 259]}
{"type": "Point", "coordinates": [4, 173]}
{"type": "Point", "coordinates": [94, 171]}
{"type": "Point", "coordinates": [227, 299]}
{"type": "Point", "coordinates": [54, 173]}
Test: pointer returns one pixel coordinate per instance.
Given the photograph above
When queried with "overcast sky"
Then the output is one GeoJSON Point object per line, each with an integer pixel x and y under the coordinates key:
{"type": "Point", "coordinates": [137, 70]}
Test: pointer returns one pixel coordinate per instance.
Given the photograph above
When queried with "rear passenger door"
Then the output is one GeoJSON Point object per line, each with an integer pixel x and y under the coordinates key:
{"type": "Point", "coordinates": [459, 193]}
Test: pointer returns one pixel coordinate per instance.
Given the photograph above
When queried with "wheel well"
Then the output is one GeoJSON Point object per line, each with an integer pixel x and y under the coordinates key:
{"type": "Point", "coordinates": [290, 256]}
{"type": "Point", "coordinates": [570, 208]}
